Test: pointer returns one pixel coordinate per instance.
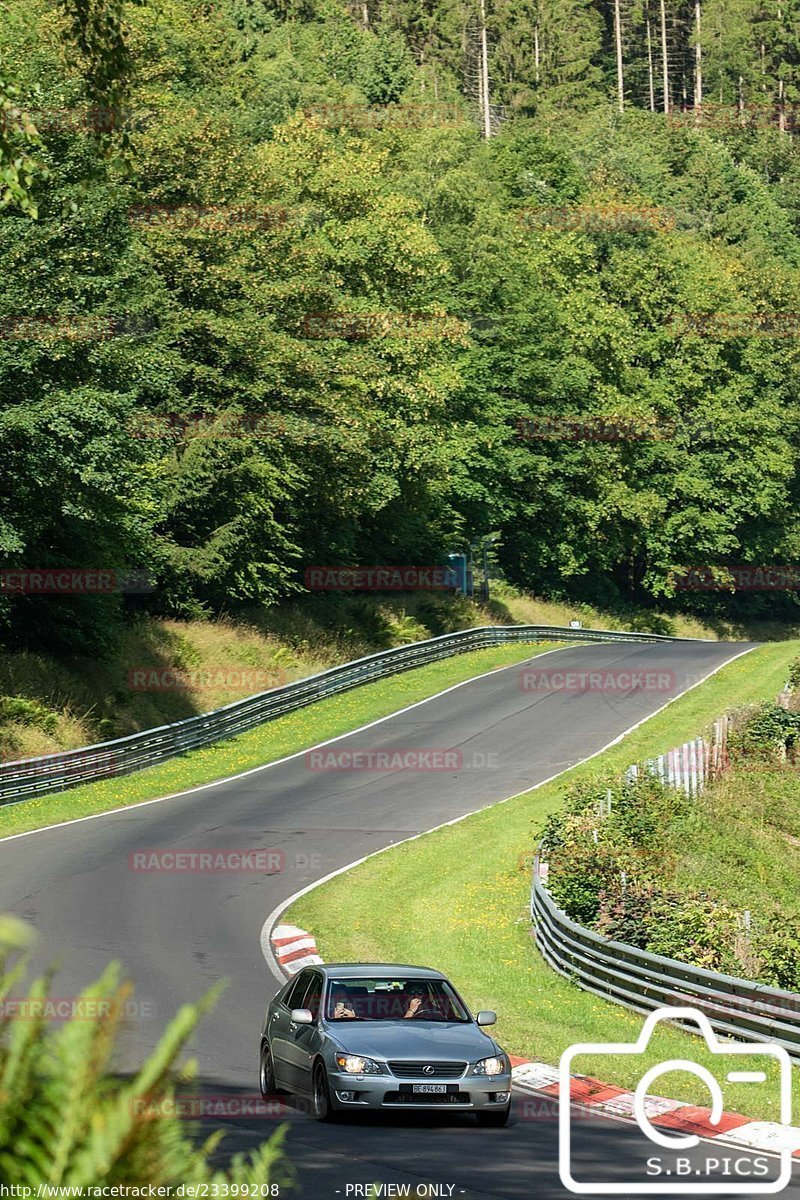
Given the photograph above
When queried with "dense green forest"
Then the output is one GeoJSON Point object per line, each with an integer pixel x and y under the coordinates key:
{"type": "Point", "coordinates": [576, 304]}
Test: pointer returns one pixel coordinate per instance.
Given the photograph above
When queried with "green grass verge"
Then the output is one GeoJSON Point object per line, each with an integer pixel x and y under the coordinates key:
{"type": "Point", "coordinates": [744, 846]}
{"type": "Point", "coordinates": [465, 891]}
{"type": "Point", "coordinates": [271, 741]}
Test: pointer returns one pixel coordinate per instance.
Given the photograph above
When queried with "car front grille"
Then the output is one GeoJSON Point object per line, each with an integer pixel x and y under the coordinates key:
{"type": "Point", "coordinates": [416, 1070]}
{"type": "Point", "coordinates": [441, 1099]}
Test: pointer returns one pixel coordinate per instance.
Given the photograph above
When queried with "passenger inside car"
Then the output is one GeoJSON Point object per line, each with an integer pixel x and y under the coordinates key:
{"type": "Point", "coordinates": [341, 1006]}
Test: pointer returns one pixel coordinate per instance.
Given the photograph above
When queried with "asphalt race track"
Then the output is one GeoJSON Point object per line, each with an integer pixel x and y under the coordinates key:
{"type": "Point", "coordinates": [177, 933]}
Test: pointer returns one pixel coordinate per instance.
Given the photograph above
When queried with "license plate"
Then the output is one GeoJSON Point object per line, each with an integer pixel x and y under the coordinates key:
{"type": "Point", "coordinates": [439, 1088]}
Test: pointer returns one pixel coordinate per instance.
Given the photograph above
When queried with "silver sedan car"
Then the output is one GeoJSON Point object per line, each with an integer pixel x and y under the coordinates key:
{"type": "Point", "coordinates": [364, 1036]}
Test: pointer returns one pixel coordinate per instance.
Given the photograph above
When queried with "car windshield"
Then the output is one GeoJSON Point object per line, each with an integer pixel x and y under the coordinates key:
{"type": "Point", "coordinates": [409, 999]}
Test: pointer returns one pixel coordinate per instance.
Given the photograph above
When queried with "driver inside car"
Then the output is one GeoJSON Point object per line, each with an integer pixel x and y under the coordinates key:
{"type": "Point", "coordinates": [419, 1005]}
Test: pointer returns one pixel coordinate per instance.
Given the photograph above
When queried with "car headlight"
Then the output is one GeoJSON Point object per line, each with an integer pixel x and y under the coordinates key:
{"type": "Point", "coordinates": [354, 1064]}
{"type": "Point", "coordinates": [497, 1065]}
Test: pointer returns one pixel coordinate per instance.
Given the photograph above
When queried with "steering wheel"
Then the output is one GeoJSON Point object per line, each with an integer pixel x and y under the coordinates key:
{"type": "Point", "coordinates": [428, 1012]}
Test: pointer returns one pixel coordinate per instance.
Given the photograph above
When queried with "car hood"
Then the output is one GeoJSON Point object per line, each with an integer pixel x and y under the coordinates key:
{"type": "Point", "coordinates": [404, 1039]}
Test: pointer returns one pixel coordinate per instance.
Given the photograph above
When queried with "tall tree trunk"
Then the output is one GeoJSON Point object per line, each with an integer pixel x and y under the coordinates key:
{"type": "Point", "coordinates": [536, 59]}
{"type": "Point", "coordinates": [364, 14]}
{"type": "Point", "coordinates": [781, 90]}
{"type": "Point", "coordinates": [484, 88]}
{"type": "Point", "coordinates": [618, 41]}
{"type": "Point", "coordinates": [698, 59]}
{"type": "Point", "coordinates": [664, 61]}
{"type": "Point", "coordinates": [781, 107]}
{"type": "Point", "coordinates": [650, 78]}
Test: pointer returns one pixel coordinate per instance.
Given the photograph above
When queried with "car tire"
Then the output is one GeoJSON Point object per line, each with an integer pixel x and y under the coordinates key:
{"type": "Point", "coordinates": [492, 1118]}
{"type": "Point", "coordinates": [266, 1073]}
{"type": "Point", "coordinates": [323, 1108]}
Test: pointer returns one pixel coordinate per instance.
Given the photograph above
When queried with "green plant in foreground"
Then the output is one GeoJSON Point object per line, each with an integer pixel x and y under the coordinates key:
{"type": "Point", "coordinates": [66, 1120]}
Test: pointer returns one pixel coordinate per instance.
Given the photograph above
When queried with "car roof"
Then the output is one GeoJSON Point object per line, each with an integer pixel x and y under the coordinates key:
{"type": "Point", "coordinates": [377, 970]}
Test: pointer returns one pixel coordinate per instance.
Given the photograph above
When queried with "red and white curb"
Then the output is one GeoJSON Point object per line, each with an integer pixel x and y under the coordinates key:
{"type": "Point", "coordinates": [293, 948]}
{"type": "Point", "coordinates": [541, 1080]}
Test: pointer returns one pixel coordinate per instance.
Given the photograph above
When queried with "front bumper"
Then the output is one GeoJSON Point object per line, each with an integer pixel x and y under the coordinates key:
{"type": "Point", "coordinates": [470, 1093]}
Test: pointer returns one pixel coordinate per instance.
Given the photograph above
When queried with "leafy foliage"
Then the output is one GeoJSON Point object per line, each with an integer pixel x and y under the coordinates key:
{"type": "Point", "coordinates": [158, 307]}
{"type": "Point", "coordinates": [610, 870]}
{"type": "Point", "coordinates": [767, 731]}
{"type": "Point", "coordinates": [65, 1120]}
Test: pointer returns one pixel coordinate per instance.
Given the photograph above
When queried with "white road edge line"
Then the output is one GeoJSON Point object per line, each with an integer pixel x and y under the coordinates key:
{"type": "Point", "coordinates": [201, 787]}
{"type": "Point", "coordinates": [273, 917]}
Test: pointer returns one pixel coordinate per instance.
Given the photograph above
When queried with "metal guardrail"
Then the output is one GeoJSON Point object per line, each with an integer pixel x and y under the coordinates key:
{"type": "Point", "coordinates": [50, 773]}
{"type": "Point", "coordinates": [642, 981]}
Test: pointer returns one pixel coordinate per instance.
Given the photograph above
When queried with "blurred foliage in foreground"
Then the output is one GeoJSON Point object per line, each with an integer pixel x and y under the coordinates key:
{"type": "Point", "coordinates": [65, 1119]}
